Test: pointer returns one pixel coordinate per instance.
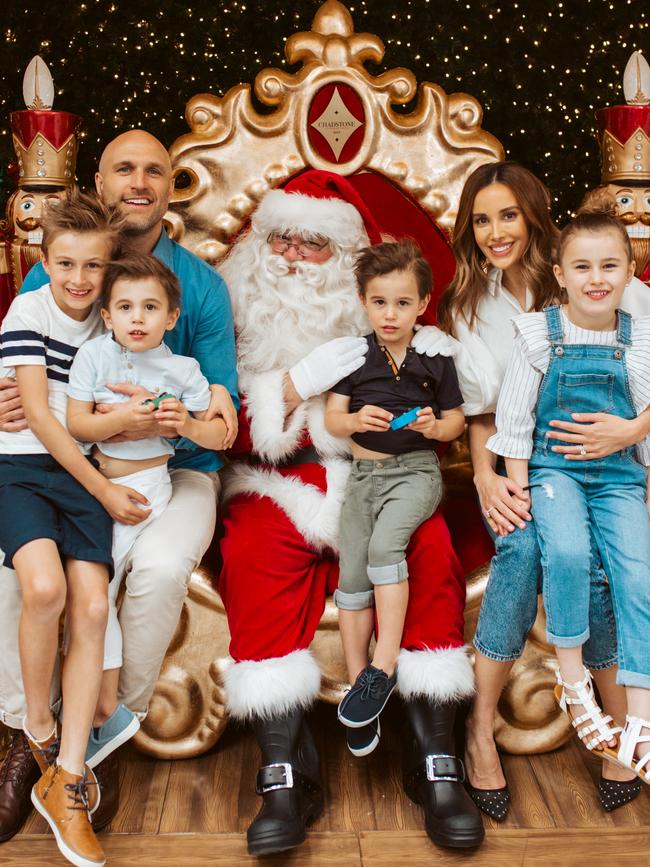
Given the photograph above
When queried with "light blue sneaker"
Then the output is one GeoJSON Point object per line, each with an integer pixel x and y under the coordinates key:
{"type": "Point", "coordinates": [121, 725]}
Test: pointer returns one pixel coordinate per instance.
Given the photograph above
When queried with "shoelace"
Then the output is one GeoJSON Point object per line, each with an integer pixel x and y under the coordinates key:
{"type": "Point", "coordinates": [374, 684]}
{"type": "Point", "coordinates": [11, 764]}
{"type": "Point", "coordinates": [49, 753]}
{"type": "Point", "coordinates": [79, 793]}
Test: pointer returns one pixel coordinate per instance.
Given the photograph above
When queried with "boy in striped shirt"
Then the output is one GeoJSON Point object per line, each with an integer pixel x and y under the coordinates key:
{"type": "Point", "coordinates": [57, 514]}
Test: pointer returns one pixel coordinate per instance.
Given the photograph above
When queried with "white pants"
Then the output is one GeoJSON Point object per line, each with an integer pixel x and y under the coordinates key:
{"type": "Point", "coordinates": [156, 486]}
{"type": "Point", "coordinates": [158, 571]}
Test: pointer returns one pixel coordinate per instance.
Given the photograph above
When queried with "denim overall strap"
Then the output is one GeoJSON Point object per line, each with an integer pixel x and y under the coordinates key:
{"type": "Point", "coordinates": [624, 328]}
{"type": "Point", "coordinates": [554, 324]}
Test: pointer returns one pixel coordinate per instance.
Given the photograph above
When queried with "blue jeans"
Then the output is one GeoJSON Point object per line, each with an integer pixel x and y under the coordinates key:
{"type": "Point", "coordinates": [606, 499]}
{"type": "Point", "coordinates": [509, 605]}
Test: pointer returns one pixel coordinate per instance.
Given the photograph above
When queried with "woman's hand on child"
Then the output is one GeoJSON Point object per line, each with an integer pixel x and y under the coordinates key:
{"type": "Point", "coordinates": [221, 405]}
{"type": "Point", "coordinates": [121, 503]}
{"type": "Point", "coordinates": [371, 418]}
{"type": "Point", "coordinates": [593, 435]}
{"type": "Point", "coordinates": [503, 502]}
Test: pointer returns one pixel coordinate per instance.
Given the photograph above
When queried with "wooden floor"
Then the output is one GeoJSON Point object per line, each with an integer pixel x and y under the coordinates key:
{"type": "Point", "coordinates": [195, 812]}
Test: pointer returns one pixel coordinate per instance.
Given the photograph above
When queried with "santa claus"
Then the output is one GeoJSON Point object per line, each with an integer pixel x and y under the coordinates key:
{"type": "Point", "coordinates": [298, 323]}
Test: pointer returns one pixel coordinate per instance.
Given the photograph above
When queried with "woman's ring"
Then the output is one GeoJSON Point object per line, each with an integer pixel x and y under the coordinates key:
{"type": "Point", "coordinates": [487, 514]}
{"type": "Point", "coordinates": [582, 450]}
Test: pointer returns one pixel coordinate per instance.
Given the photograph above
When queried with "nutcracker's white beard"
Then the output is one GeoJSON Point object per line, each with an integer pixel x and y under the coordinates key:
{"type": "Point", "coordinates": [280, 317]}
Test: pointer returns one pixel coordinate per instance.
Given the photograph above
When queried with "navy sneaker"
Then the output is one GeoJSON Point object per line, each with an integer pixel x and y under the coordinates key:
{"type": "Point", "coordinates": [361, 742]}
{"type": "Point", "coordinates": [367, 698]}
{"type": "Point", "coordinates": [121, 725]}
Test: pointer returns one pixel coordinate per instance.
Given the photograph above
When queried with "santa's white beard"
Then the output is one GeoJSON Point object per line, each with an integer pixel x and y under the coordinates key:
{"type": "Point", "coordinates": [280, 317]}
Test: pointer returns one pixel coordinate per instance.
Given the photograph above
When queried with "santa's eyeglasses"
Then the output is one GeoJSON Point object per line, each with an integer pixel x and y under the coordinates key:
{"type": "Point", "coordinates": [280, 243]}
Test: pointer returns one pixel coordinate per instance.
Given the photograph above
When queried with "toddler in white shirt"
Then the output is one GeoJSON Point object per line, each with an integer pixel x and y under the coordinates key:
{"type": "Point", "coordinates": [141, 301]}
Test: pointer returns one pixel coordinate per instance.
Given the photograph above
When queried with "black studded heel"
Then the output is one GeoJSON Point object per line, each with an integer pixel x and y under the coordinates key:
{"type": "Point", "coordinates": [495, 803]}
{"type": "Point", "coordinates": [616, 793]}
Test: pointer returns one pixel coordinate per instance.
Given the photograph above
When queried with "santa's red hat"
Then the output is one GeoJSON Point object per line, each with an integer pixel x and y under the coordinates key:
{"type": "Point", "coordinates": [319, 202]}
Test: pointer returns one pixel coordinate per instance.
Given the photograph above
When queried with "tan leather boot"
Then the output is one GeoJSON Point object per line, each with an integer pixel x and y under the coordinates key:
{"type": "Point", "coordinates": [61, 798]}
{"type": "Point", "coordinates": [45, 752]}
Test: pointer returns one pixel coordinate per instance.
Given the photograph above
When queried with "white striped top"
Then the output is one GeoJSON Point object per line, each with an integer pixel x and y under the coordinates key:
{"type": "Point", "coordinates": [515, 417]}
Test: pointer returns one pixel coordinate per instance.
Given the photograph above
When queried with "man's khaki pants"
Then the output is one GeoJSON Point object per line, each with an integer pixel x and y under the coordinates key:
{"type": "Point", "coordinates": [158, 573]}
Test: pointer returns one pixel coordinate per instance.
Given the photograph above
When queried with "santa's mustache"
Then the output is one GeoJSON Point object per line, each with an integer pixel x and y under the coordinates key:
{"type": "Point", "coordinates": [308, 272]}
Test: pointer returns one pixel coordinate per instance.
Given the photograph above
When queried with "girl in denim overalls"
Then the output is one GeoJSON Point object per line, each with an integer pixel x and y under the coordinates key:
{"type": "Point", "coordinates": [503, 240]}
{"type": "Point", "coordinates": [587, 356]}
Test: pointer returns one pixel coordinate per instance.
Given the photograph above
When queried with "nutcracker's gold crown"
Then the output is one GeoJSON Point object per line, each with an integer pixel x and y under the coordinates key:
{"type": "Point", "coordinates": [625, 143]}
{"type": "Point", "coordinates": [621, 161]}
{"type": "Point", "coordinates": [46, 147]}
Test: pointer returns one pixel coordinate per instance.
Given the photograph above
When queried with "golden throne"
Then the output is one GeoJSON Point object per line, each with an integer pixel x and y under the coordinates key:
{"type": "Point", "coordinates": [330, 114]}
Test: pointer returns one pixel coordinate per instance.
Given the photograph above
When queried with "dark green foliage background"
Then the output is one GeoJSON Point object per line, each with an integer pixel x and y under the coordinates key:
{"type": "Point", "coordinates": [539, 68]}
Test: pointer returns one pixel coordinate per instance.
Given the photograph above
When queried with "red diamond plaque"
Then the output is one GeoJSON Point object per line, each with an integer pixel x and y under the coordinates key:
{"type": "Point", "coordinates": [336, 122]}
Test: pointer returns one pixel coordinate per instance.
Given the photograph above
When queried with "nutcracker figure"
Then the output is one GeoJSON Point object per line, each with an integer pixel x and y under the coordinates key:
{"type": "Point", "coordinates": [624, 137]}
{"type": "Point", "coordinates": [45, 142]}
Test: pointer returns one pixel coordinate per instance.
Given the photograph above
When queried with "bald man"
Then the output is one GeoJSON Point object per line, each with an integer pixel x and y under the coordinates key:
{"type": "Point", "coordinates": [135, 174]}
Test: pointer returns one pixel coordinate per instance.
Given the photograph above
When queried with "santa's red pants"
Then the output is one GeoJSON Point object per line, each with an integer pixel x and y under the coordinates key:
{"type": "Point", "coordinates": [273, 584]}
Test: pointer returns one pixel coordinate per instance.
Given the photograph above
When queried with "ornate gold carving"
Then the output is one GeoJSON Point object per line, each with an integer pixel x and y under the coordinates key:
{"type": "Point", "coordinates": [233, 154]}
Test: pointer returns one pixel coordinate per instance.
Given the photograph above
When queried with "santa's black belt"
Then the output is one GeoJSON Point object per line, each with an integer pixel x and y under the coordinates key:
{"type": "Point", "coordinates": [305, 455]}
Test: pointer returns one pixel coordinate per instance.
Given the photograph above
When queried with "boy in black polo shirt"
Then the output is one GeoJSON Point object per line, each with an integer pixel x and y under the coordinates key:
{"type": "Point", "coordinates": [395, 481]}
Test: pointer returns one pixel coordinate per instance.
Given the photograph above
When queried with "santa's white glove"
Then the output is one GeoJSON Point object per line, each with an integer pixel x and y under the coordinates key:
{"type": "Point", "coordinates": [328, 364]}
{"type": "Point", "coordinates": [429, 340]}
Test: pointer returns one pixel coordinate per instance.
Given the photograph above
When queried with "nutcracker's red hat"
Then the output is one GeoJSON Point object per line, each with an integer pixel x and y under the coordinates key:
{"type": "Point", "coordinates": [46, 147]}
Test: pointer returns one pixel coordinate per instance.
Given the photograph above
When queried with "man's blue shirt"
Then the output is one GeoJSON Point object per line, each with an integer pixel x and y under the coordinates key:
{"type": "Point", "coordinates": [204, 331]}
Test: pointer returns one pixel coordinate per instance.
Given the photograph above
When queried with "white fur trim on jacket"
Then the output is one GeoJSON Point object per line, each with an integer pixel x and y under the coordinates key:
{"type": "Point", "coordinates": [315, 513]}
{"type": "Point", "coordinates": [295, 212]}
{"type": "Point", "coordinates": [271, 687]}
{"type": "Point", "coordinates": [266, 409]}
{"type": "Point", "coordinates": [445, 675]}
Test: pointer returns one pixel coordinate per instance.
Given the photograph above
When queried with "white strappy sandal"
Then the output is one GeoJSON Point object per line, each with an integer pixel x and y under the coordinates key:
{"type": "Point", "coordinates": [593, 727]}
{"type": "Point", "coordinates": [629, 741]}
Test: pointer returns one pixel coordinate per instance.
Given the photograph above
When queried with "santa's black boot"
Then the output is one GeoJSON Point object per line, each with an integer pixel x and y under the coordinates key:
{"type": "Point", "coordinates": [434, 776]}
{"type": "Point", "coordinates": [289, 782]}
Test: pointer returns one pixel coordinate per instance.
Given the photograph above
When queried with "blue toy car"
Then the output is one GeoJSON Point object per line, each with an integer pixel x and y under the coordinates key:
{"type": "Point", "coordinates": [404, 419]}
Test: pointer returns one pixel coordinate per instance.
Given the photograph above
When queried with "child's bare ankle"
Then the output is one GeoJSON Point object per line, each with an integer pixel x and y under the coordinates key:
{"type": "Point", "coordinates": [386, 664]}
{"type": "Point", "coordinates": [39, 727]}
{"type": "Point", "coordinates": [103, 712]}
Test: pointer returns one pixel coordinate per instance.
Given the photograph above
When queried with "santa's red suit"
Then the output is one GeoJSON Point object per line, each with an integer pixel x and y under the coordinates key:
{"type": "Point", "coordinates": [285, 485]}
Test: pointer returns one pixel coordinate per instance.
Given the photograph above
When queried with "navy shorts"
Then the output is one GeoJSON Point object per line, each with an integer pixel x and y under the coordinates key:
{"type": "Point", "coordinates": [41, 500]}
